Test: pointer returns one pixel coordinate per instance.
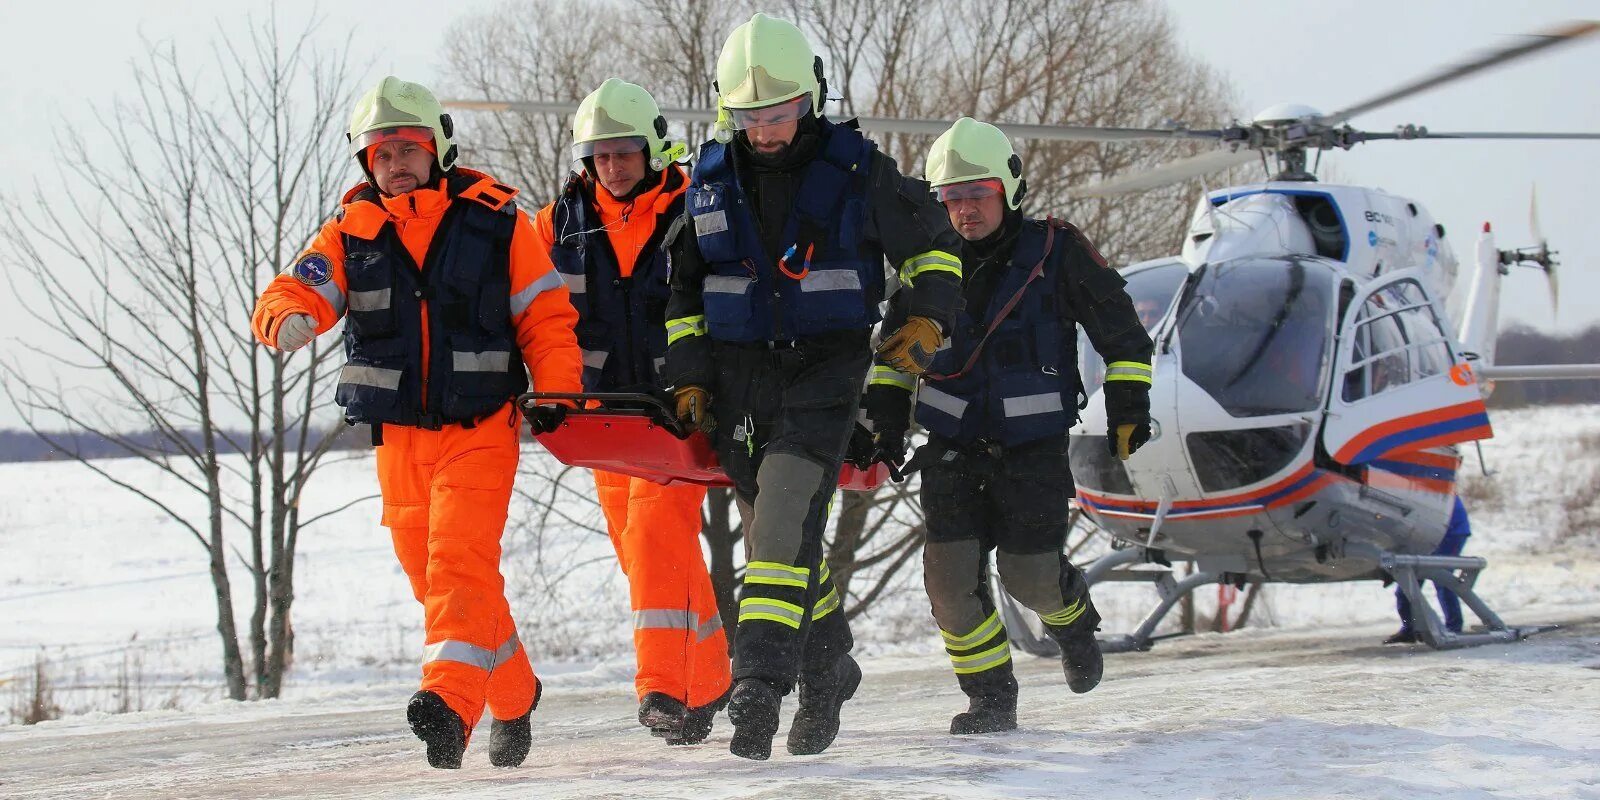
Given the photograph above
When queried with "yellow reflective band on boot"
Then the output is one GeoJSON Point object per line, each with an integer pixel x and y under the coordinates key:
{"type": "Point", "coordinates": [889, 376]}
{"type": "Point", "coordinates": [931, 261]}
{"type": "Point", "coordinates": [765, 608]}
{"type": "Point", "coordinates": [772, 573]}
{"type": "Point", "coordinates": [978, 662]}
{"type": "Point", "coordinates": [977, 636]}
{"type": "Point", "coordinates": [826, 605]}
{"type": "Point", "coordinates": [1065, 616]}
{"type": "Point", "coordinates": [1129, 371]}
{"type": "Point", "coordinates": [685, 326]}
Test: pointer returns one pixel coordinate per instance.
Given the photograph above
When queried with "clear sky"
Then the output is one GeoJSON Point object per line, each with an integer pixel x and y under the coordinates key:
{"type": "Point", "coordinates": [1325, 55]}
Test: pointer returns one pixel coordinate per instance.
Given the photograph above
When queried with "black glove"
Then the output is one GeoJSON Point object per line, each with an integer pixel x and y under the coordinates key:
{"type": "Point", "coordinates": [544, 419]}
{"type": "Point", "coordinates": [860, 450]}
{"type": "Point", "coordinates": [1127, 417]}
{"type": "Point", "coordinates": [889, 447]}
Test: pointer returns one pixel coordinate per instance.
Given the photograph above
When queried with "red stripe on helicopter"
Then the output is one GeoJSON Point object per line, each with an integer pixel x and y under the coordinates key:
{"type": "Point", "coordinates": [1458, 423]}
{"type": "Point", "coordinates": [1305, 482]}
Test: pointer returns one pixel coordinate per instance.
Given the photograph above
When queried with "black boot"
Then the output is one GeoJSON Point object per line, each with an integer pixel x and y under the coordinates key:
{"type": "Point", "coordinates": [816, 721]}
{"type": "Point", "coordinates": [1403, 636]}
{"type": "Point", "coordinates": [1080, 657]}
{"type": "Point", "coordinates": [991, 705]}
{"type": "Point", "coordinates": [753, 710]}
{"type": "Point", "coordinates": [675, 722]}
{"type": "Point", "coordinates": [510, 740]}
{"type": "Point", "coordinates": [435, 723]}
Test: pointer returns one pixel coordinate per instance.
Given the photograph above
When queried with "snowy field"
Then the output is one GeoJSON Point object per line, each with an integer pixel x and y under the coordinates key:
{"type": "Point", "coordinates": [117, 602]}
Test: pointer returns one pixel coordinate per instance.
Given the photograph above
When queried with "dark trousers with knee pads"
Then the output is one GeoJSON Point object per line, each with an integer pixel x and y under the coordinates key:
{"type": "Point", "coordinates": [784, 416]}
{"type": "Point", "coordinates": [1013, 501]}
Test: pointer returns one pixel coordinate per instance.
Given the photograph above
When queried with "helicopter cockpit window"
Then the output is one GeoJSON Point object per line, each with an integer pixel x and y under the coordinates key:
{"type": "Point", "coordinates": [1398, 339]}
{"type": "Point", "coordinates": [1254, 335]}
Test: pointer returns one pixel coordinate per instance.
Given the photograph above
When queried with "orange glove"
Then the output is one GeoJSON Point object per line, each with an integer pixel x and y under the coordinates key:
{"type": "Point", "coordinates": [910, 349]}
{"type": "Point", "coordinates": [694, 408]}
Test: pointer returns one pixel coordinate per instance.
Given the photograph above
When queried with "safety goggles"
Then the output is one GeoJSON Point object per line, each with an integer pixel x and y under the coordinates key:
{"type": "Point", "coordinates": [617, 146]}
{"type": "Point", "coordinates": [788, 111]}
{"type": "Point", "coordinates": [969, 190]}
{"type": "Point", "coordinates": [405, 134]}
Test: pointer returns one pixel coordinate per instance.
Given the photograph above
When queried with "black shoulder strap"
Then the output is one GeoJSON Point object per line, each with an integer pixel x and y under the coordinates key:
{"type": "Point", "coordinates": [1051, 226]}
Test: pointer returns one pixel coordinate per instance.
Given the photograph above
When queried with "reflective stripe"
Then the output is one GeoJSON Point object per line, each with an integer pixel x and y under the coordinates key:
{"type": "Point", "coordinates": [685, 326]}
{"type": "Point", "coordinates": [471, 654]}
{"type": "Point", "coordinates": [931, 261]}
{"type": "Point", "coordinates": [822, 573]}
{"type": "Point", "coordinates": [724, 284]}
{"type": "Point", "coordinates": [772, 573]}
{"type": "Point", "coordinates": [830, 280]}
{"type": "Point", "coordinates": [1065, 616]}
{"type": "Point", "coordinates": [576, 284]}
{"type": "Point", "coordinates": [826, 605]}
{"type": "Point", "coordinates": [547, 282]}
{"type": "Point", "coordinates": [372, 300]}
{"type": "Point", "coordinates": [595, 359]}
{"type": "Point", "coordinates": [651, 619]}
{"type": "Point", "coordinates": [765, 608]}
{"type": "Point", "coordinates": [942, 401]}
{"type": "Point", "coordinates": [357, 375]}
{"type": "Point", "coordinates": [976, 637]}
{"type": "Point", "coordinates": [889, 376]}
{"type": "Point", "coordinates": [986, 660]}
{"type": "Point", "coordinates": [489, 361]}
{"type": "Point", "coordinates": [1032, 404]}
{"type": "Point", "coordinates": [709, 628]}
{"type": "Point", "coordinates": [1129, 371]}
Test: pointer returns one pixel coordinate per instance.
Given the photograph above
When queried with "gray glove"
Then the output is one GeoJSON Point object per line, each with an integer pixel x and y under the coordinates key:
{"type": "Point", "coordinates": [296, 332]}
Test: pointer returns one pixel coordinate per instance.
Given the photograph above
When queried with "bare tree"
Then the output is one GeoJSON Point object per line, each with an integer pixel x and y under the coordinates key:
{"type": "Point", "coordinates": [193, 193]}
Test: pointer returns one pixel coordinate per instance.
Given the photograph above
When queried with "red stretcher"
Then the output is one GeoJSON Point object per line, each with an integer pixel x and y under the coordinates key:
{"type": "Point", "coordinates": [639, 435]}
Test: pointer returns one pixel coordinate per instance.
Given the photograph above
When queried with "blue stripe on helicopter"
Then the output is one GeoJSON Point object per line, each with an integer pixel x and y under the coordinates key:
{"type": "Point", "coordinates": [1399, 439]}
{"type": "Point", "coordinates": [1414, 470]}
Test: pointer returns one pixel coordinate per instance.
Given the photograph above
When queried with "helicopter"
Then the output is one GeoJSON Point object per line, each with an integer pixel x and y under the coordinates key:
{"type": "Point", "coordinates": [1317, 366]}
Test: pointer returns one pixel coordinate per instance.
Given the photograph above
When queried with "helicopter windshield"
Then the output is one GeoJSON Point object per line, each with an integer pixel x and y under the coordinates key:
{"type": "Point", "coordinates": [1254, 334]}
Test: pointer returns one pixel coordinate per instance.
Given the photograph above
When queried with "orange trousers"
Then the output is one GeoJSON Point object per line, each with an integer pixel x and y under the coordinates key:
{"type": "Point", "coordinates": [678, 640]}
{"type": "Point", "coordinates": [445, 499]}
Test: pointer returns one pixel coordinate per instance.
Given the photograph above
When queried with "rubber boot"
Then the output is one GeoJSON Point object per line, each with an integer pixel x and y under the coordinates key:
{"type": "Point", "coordinates": [1080, 656]}
{"type": "Point", "coordinates": [816, 721]}
{"type": "Point", "coordinates": [670, 719]}
{"type": "Point", "coordinates": [510, 740]}
{"type": "Point", "coordinates": [753, 710]}
{"type": "Point", "coordinates": [433, 721]}
{"type": "Point", "coordinates": [991, 704]}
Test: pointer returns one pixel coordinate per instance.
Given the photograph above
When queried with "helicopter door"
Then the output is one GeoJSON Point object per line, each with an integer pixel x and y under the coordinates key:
{"type": "Point", "coordinates": [1398, 385]}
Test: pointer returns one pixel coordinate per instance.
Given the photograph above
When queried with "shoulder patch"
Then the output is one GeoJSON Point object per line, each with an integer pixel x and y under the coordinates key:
{"type": "Point", "coordinates": [313, 269]}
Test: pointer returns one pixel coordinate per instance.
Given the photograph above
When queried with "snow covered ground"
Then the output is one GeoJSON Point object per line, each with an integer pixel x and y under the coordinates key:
{"type": "Point", "coordinates": [116, 599]}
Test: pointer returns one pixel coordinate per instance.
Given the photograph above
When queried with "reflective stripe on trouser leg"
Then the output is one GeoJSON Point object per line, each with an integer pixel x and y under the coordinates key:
{"type": "Point", "coordinates": [978, 650]}
{"type": "Point", "coordinates": [455, 483]}
{"type": "Point", "coordinates": [678, 639]}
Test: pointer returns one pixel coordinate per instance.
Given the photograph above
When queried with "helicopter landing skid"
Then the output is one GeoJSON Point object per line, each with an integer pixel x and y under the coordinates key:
{"type": "Point", "coordinates": [1458, 574]}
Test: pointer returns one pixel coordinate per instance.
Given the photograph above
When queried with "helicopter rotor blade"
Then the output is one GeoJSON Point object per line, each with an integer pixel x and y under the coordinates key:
{"type": "Point", "coordinates": [1409, 132]}
{"type": "Point", "coordinates": [1528, 44]}
{"type": "Point", "coordinates": [1168, 173]}
{"type": "Point", "coordinates": [932, 127]}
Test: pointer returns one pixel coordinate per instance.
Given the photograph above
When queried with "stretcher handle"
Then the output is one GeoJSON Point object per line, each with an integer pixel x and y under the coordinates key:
{"type": "Point", "coordinates": [654, 407]}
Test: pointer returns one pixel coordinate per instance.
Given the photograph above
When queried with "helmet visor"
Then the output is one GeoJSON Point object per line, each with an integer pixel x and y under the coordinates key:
{"type": "Point", "coordinates": [619, 145]}
{"type": "Point", "coordinates": [969, 190]}
{"type": "Point", "coordinates": [777, 114]}
{"type": "Point", "coordinates": [408, 133]}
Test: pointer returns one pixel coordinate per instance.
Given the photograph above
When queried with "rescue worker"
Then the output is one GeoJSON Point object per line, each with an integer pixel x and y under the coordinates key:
{"type": "Point", "coordinates": [775, 288]}
{"type": "Point", "coordinates": [997, 405]}
{"type": "Point", "coordinates": [606, 234]}
{"type": "Point", "coordinates": [1455, 540]}
{"type": "Point", "coordinates": [445, 298]}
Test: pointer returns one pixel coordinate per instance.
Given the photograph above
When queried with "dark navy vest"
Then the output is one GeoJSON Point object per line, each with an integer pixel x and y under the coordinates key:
{"type": "Point", "coordinates": [621, 321]}
{"type": "Point", "coordinates": [474, 366]}
{"type": "Point", "coordinates": [1024, 385]}
{"type": "Point", "coordinates": [747, 298]}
